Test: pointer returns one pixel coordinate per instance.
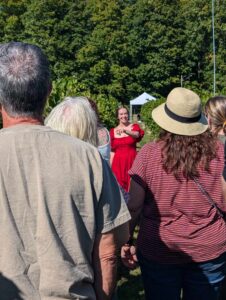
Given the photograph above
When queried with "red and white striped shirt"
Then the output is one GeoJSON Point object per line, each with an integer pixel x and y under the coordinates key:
{"type": "Point", "coordinates": [178, 224]}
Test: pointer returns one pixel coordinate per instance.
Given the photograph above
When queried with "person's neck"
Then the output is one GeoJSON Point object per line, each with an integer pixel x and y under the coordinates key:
{"type": "Point", "coordinates": [9, 121]}
{"type": "Point", "coordinates": [124, 124]}
{"type": "Point", "coordinates": [221, 132]}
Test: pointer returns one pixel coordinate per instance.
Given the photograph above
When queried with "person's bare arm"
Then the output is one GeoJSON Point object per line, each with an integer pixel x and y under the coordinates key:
{"type": "Point", "coordinates": [135, 205]}
{"type": "Point", "coordinates": [112, 154]}
{"type": "Point", "coordinates": [223, 183]}
{"type": "Point", "coordinates": [105, 260]}
{"type": "Point", "coordinates": [133, 134]}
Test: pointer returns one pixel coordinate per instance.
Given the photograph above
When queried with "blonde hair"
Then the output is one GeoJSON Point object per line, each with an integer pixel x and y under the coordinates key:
{"type": "Point", "coordinates": [215, 109]}
{"type": "Point", "coordinates": [75, 116]}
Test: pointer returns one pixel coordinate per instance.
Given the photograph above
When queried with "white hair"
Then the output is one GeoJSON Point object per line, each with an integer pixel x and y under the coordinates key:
{"type": "Point", "coordinates": [75, 116]}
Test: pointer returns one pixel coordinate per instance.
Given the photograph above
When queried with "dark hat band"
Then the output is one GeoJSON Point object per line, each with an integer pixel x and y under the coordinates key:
{"type": "Point", "coordinates": [179, 118]}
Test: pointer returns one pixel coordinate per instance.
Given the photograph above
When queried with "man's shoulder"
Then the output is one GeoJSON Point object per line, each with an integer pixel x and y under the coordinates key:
{"type": "Point", "coordinates": [60, 137]}
{"type": "Point", "coordinates": [41, 131]}
{"type": "Point", "coordinates": [46, 137]}
{"type": "Point", "coordinates": [71, 144]}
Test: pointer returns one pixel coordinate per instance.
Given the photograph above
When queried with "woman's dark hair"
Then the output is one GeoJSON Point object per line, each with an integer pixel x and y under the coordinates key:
{"type": "Point", "coordinates": [95, 108]}
{"type": "Point", "coordinates": [182, 155]}
{"type": "Point", "coordinates": [120, 107]}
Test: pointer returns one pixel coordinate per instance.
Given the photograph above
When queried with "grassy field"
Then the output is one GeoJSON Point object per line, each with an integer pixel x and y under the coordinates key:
{"type": "Point", "coordinates": [130, 284]}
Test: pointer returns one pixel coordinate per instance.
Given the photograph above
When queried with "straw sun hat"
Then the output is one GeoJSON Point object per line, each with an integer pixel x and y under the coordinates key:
{"type": "Point", "coordinates": [181, 113]}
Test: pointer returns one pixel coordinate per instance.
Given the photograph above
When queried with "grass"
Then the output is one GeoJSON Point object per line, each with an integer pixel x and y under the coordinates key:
{"type": "Point", "coordinates": [130, 284]}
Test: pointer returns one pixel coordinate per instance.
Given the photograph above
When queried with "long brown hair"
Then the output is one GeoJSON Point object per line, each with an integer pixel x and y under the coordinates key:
{"type": "Point", "coordinates": [182, 155]}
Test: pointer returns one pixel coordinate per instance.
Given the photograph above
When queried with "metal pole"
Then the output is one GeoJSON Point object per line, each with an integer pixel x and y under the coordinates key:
{"type": "Point", "coordinates": [214, 51]}
{"type": "Point", "coordinates": [131, 112]}
{"type": "Point", "coordinates": [181, 80]}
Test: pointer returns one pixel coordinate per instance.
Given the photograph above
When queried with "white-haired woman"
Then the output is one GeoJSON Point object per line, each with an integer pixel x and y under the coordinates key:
{"type": "Point", "coordinates": [78, 117]}
{"type": "Point", "coordinates": [75, 116]}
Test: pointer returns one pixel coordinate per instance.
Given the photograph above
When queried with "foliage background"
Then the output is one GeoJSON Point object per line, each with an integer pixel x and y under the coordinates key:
{"type": "Point", "coordinates": [114, 50]}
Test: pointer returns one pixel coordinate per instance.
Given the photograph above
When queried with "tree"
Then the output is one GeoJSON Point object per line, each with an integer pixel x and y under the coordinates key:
{"type": "Point", "coordinates": [152, 42]}
{"type": "Point", "coordinates": [11, 26]}
{"type": "Point", "coordinates": [58, 27]}
{"type": "Point", "coordinates": [102, 54]}
{"type": "Point", "coordinates": [120, 48]}
{"type": "Point", "coordinates": [196, 59]}
{"type": "Point", "coordinates": [220, 35]}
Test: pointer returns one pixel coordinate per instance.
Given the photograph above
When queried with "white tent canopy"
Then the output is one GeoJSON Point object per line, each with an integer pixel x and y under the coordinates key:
{"type": "Point", "coordinates": [140, 100]}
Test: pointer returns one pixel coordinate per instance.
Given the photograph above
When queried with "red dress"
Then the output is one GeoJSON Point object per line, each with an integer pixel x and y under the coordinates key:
{"type": "Point", "coordinates": [125, 153]}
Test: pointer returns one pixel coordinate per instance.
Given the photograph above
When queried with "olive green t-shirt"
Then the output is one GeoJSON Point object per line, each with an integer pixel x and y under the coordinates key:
{"type": "Point", "coordinates": [56, 194]}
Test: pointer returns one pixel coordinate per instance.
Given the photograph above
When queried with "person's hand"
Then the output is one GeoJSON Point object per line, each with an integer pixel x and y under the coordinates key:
{"type": "Point", "coordinates": [128, 256]}
{"type": "Point", "coordinates": [119, 131]}
{"type": "Point", "coordinates": [126, 129]}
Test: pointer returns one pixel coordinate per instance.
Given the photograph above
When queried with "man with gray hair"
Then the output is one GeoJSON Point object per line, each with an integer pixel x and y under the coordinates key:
{"type": "Point", "coordinates": [62, 215]}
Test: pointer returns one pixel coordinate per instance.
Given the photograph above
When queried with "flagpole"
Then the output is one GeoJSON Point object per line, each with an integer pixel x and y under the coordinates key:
{"type": "Point", "coordinates": [214, 50]}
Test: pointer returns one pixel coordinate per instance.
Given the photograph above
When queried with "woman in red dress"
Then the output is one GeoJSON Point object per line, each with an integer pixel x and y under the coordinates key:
{"type": "Point", "coordinates": [123, 146]}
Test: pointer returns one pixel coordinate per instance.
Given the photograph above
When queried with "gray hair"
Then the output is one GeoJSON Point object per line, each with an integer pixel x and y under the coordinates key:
{"type": "Point", "coordinates": [24, 79]}
{"type": "Point", "coordinates": [75, 116]}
